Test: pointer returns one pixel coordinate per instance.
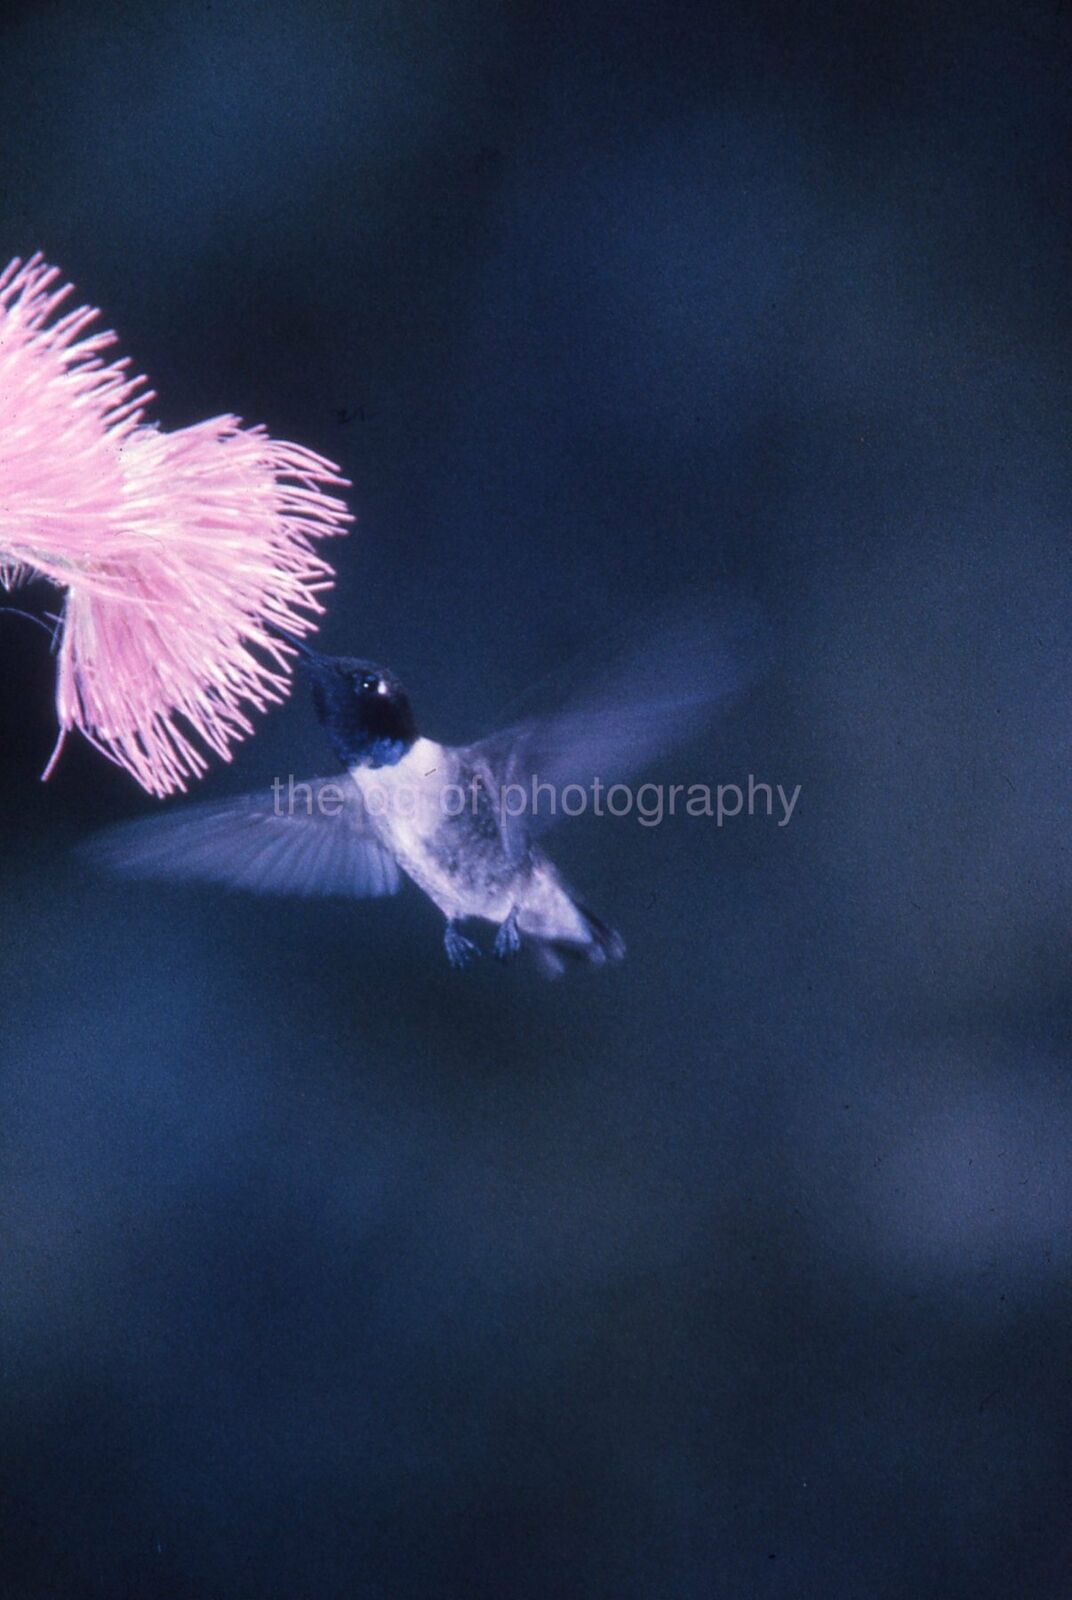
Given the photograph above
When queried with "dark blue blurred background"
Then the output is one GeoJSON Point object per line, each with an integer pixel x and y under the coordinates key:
{"type": "Point", "coordinates": [742, 1270]}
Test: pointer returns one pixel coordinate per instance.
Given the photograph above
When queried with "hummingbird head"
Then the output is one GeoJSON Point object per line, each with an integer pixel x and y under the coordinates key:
{"type": "Point", "coordinates": [363, 708]}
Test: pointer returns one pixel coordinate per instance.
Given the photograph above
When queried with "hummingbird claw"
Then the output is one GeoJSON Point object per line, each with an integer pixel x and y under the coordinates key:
{"type": "Point", "coordinates": [460, 950]}
{"type": "Point", "coordinates": [507, 940]}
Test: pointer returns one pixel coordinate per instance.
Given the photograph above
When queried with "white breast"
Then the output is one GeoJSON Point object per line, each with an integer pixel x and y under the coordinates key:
{"type": "Point", "coordinates": [405, 803]}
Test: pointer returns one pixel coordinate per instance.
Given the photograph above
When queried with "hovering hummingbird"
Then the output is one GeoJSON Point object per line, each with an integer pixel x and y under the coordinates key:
{"type": "Point", "coordinates": [462, 822]}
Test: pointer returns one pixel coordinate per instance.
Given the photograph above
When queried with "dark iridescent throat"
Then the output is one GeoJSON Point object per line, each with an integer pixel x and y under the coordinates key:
{"type": "Point", "coordinates": [366, 730]}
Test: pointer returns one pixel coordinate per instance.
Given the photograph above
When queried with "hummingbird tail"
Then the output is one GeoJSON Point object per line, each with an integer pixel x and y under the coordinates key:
{"type": "Point", "coordinates": [604, 944]}
{"type": "Point", "coordinates": [605, 939]}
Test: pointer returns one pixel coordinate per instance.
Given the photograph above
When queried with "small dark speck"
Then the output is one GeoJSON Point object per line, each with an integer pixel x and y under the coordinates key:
{"type": "Point", "coordinates": [771, 1556]}
{"type": "Point", "coordinates": [987, 1398]}
{"type": "Point", "coordinates": [428, 774]}
{"type": "Point", "coordinates": [343, 415]}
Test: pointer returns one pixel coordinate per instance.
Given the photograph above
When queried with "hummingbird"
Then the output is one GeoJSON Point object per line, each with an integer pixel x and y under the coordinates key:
{"type": "Point", "coordinates": [462, 822]}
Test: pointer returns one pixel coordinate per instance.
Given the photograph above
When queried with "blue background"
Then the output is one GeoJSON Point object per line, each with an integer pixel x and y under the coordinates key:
{"type": "Point", "coordinates": [741, 1270]}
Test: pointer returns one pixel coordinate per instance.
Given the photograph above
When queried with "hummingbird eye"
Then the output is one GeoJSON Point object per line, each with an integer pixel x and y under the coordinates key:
{"type": "Point", "coordinates": [371, 682]}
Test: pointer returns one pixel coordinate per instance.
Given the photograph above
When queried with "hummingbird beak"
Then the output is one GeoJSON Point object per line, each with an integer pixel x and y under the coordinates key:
{"type": "Point", "coordinates": [311, 657]}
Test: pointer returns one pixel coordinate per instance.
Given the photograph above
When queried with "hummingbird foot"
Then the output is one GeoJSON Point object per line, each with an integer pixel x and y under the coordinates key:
{"type": "Point", "coordinates": [507, 940]}
{"type": "Point", "coordinates": [460, 950]}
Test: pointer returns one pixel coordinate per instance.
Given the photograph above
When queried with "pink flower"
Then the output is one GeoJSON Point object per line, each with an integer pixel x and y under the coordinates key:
{"type": "Point", "coordinates": [177, 551]}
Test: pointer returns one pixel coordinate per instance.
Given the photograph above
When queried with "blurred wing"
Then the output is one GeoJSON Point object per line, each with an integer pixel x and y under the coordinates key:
{"type": "Point", "coordinates": [655, 697]}
{"type": "Point", "coordinates": [318, 842]}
